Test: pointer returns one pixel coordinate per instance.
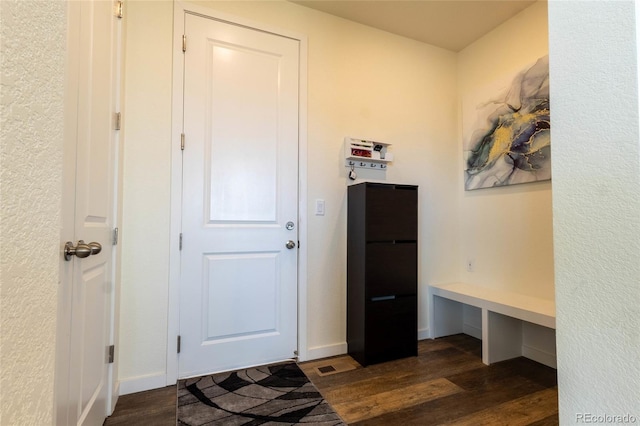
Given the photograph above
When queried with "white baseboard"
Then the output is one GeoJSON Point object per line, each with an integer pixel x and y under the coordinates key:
{"type": "Point", "coordinates": [540, 356]}
{"type": "Point", "coordinates": [326, 351]}
{"type": "Point", "coordinates": [423, 334]}
{"type": "Point", "coordinates": [472, 331]}
{"type": "Point", "coordinates": [143, 383]}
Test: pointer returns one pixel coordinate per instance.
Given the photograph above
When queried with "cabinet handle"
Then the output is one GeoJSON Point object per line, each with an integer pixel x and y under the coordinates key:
{"type": "Point", "coordinates": [381, 298]}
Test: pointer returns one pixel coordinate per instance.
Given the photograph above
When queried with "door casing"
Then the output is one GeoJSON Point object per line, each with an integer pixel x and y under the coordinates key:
{"type": "Point", "coordinates": [173, 323]}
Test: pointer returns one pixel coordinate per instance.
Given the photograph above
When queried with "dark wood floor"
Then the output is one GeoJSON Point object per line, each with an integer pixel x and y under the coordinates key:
{"type": "Point", "coordinates": [155, 407]}
{"type": "Point", "coordinates": [445, 384]}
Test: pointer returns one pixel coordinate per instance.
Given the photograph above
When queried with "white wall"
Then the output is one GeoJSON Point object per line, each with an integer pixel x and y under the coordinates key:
{"type": "Point", "coordinates": [362, 82]}
{"type": "Point", "coordinates": [596, 207]}
{"type": "Point", "coordinates": [32, 69]}
{"type": "Point", "coordinates": [506, 231]}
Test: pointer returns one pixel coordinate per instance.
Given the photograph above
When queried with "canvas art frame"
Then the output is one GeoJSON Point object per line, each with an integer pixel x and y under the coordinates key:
{"type": "Point", "coordinates": [506, 130]}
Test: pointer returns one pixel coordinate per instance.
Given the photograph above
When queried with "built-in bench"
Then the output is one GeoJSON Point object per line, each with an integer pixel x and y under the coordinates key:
{"type": "Point", "coordinates": [510, 322]}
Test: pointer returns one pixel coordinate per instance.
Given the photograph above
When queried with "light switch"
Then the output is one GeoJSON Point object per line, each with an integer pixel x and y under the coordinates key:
{"type": "Point", "coordinates": [319, 207]}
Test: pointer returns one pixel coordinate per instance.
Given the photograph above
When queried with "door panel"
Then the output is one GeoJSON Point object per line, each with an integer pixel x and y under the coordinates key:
{"type": "Point", "coordinates": [238, 303]}
{"type": "Point", "coordinates": [229, 276]}
{"type": "Point", "coordinates": [87, 283]}
{"type": "Point", "coordinates": [94, 198]}
{"type": "Point", "coordinates": [93, 284]}
{"type": "Point", "coordinates": [391, 269]}
{"type": "Point", "coordinates": [386, 203]}
{"type": "Point", "coordinates": [391, 329]}
{"type": "Point", "coordinates": [243, 132]}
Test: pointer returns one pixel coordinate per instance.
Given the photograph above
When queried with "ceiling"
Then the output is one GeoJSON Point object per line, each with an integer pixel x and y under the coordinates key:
{"type": "Point", "coordinates": [450, 24]}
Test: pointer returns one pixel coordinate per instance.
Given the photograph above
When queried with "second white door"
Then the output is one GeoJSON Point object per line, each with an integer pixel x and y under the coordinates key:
{"type": "Point", "coordinates": [238, 286]}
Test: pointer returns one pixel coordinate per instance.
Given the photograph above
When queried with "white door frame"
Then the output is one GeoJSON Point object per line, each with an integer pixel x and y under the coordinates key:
{"type": "Point", "coordinates": [173, 324]}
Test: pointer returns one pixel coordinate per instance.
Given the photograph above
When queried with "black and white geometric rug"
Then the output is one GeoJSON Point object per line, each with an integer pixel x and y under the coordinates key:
{"type": "Point", "coordinates": [273, 394]}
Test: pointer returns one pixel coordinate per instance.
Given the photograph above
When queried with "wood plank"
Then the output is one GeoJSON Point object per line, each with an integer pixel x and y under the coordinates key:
{"type": "Point", "coordinates": [153, 407]}
{"type": "Point", "coordinates": [397, 375]}
{"type": "Point", "coordinates": [376, 404]}
{"type": "Point", "coordinates": [484, 388]}
{"type": "Point", "coordinates": [519, 412]}
{"type": "Point", "coordinates": [552, 420]}
{"type": "Point", "coordinates": [461, 342]}
{"type": "Point", "coordinates": [532, 370]}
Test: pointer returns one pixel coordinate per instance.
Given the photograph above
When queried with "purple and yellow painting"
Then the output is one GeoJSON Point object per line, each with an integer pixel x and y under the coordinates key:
{"type": "Point", "coordinates": [506, 131]}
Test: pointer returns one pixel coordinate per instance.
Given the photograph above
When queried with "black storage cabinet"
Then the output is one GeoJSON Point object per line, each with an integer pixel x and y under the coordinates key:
{"type": "Point", "coordinates": [382, 272]}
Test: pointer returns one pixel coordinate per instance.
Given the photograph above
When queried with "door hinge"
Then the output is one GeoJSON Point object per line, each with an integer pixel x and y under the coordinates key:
{"type": "Point", "coordinates": [182, 141]}
{"type": "Point", "coordinates": [119, 11]}
{"type": "Point", "coordinates": [114, 241]}
{"type": "Point", "coordinates": [112, 353]}
{"type": "Point", "coordinates": [181, 241]}
{"type": "Point", "coordinates": [118, 121]}
{"type": "Point", "coordinates": [184, 43]}
{"type": "Point", "coordinates": [178, 343]}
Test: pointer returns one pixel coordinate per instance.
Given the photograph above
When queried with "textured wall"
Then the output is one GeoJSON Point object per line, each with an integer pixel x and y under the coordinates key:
{"type": "Point", "coordinates": [596, 207]}
{"type": "Point", "coordinates": [32, 69]}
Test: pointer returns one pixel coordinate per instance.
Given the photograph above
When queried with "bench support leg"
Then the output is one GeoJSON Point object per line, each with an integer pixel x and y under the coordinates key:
{"type": "Point", "coordinates": [501, 337]}
{"type": "Point", "coordinates": [447, 317]}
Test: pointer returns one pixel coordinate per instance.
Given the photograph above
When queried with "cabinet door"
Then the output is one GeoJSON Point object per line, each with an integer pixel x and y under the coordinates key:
{"type": "Point", "coordinates": [391, 212]}
{"type": "Point", "coordinates": [391, 269]}
{"type": "Point", "coordinates": [391, 329]}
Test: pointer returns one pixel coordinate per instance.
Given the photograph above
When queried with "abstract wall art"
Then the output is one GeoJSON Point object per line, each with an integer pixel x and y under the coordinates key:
{"type": "Point", "coordinates": [506, 130]}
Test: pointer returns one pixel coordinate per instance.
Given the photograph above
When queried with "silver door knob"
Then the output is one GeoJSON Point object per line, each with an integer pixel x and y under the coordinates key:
{"type": "Point", "coordinates": [290, 244]}
{"type": "Point", "coordinates": [81, 249]}
{"type": "Point", "coordinates": [95, 247]}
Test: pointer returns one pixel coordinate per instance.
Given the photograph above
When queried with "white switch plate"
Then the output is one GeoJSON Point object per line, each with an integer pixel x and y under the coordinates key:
{"type": "Point", "coordinates": [319, 207]}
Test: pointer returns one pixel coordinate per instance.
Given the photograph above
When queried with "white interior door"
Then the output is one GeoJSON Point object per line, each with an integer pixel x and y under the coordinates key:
{"type": "Point", "coordinates": [238, 286]}
{"type": "Point", "coordinates": [87, 282]}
